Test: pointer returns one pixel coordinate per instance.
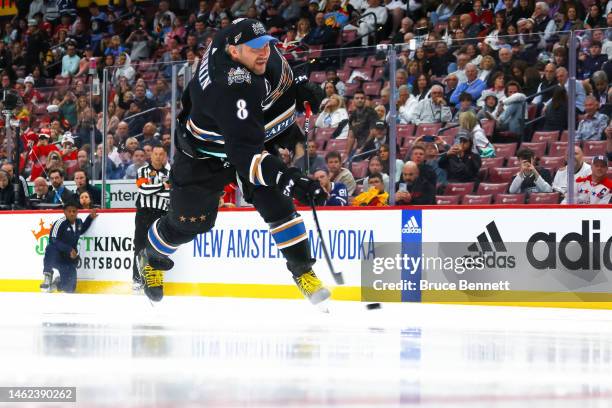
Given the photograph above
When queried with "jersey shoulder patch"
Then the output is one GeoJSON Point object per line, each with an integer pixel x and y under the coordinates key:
{"type": "Point", "coordinates": [238, 75]}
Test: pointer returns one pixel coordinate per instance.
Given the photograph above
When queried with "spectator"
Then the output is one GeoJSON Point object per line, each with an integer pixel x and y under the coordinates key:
{"type": "Point", "coordinates": [83, 185]}
{"type": "Point", "coordinates": [83, 162]}
{"type": "Point", "coordinates": [599, 83]}
{"type": "Point", "coordinates": [412, 189]}
{"type": "Point", "coordinates": [530, 179]}
{"type": "Point", "coordinates": [85, 201]}
{"type": "Point", "coordinates": [337, 192]}
{"type": "Point", "coordinates": [563, 79]}
{"type": "Point", "coordinates": [417, 155]}
{"type": "Point", "coordinates": [383, 153]}
{"type": "Point", "coordinates": [321, 34]}
{"type": "Point", "coordinates": [7, 194]}
{"type": "Point", "coordinates": [332, 76]}
{"type": "Point", "coordinates": [472, 85]}
{"type": "Point", "coordinates": [138, 160]}
{"type": "Point", "coordinates": [124, 70]}
{"type": "Point", "coordinates": [592, 126]}
{"type": "Point", "coordinates": [468, 124]}
{"type": "Point", "coordinates": [339, 174]}
{"type": "Point", "coordinates": [555, 115]}
{"type": "Point", "coordinates": [465, 105]}
{"type": "Point", "coordinates": [40, 194]}
{"type": "Point", "coordinates": [592, 62]}
{"type": "Point", "coordinates": [460, 163]}
{"type": "Point", "coordinates": [361, 120]}
{"type": "Point", "coordinates": [60, 194]}
{"type": "Point", "coordinates": [70, 61]}
{"type": "Point", "coordinates": [442, 59]}
{"type": "Point", "coordinates": [512, 110]}
{"type": "Point", "coordinates": [375, 166]}
{"type": "Point", "coordinates": [378, 137]}
{"type": "Point", "coordinates": [303, 29]}
{"type": "Point", "coordinates": [596, 188]}
{"type": "Point", "coordinates": [451, 83]}
{"type": "Point", "coordinates": [38, 154]}
{"type": "Point", "coordinates": [334, 115]}
{"type": "Point", "coordinates": [581, 169]}
{"type": "Point", "coordinates": [315, 162]}
{"type": "Point", "coordinates": [376, 196]}
{"type": "Point", "coordinates": [381, 112]}
{"type": "Point", "coordinates": [549, 80]}
{"type": "Point", "coordinates": [374, 15]}
{"type": "Point", "coordinates": [432, 109]}
{"type": "Point", "coordinates": [609, 140]}
{"type": "Point", "coordinates": [163, 11]}
{"type": "Point", "coordinates": [145, 104]}
{"type": "Point", "coordinates": [489, 109]}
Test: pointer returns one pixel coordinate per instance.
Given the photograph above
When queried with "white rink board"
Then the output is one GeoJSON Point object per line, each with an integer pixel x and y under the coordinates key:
{"type": "Point", "coordinates": [515, 225]}
{"type": "Point", "coordinates": [242, 251]}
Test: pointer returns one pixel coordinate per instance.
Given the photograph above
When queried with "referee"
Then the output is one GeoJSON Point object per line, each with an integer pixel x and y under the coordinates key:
{"type": "Point", "coordinates": [152, 202]}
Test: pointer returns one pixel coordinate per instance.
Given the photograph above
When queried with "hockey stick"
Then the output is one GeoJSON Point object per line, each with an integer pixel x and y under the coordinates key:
{"type": "Point", "coordinates": [336, 275]}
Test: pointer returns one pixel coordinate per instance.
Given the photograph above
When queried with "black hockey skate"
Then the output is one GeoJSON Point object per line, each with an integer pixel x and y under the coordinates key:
{"type": "Point", "coordinates": [45, 286]}
{"type": "Point", "coordinates": [312, 288]}
{"type": "Point", "coordinates": [151, 271]}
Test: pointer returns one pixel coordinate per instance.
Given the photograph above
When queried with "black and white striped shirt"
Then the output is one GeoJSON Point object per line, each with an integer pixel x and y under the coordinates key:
{"type": "Point", "coordinates": [152, 193]}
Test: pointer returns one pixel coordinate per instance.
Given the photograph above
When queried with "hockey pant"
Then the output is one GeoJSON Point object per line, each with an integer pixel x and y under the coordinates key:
{"type": "Point", "coordinates": [197, 186]}
{"type": "Point", "coordinates": [67, 269]}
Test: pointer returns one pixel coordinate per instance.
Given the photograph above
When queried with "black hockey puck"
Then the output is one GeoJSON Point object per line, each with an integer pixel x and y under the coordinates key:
{"type": "Point", "coordinates": [373, 306]}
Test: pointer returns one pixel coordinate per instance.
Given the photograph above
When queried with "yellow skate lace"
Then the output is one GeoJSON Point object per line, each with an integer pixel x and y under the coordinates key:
{"type": "Point", "coordinates": [308, 283]}
{"type": "Point", "coordinates": [153, 277]}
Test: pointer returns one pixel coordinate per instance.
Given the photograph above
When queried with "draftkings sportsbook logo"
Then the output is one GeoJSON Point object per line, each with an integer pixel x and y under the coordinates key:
{"type": "Point", "coordinates": [411, 226]}
{"type": "Point", "coordinates": [42, 237]}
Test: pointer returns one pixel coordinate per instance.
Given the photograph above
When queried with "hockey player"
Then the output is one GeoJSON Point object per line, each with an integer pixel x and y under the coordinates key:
{"type": "Point", "coordinates": [61, 251]}
{"type": "Point", "coordinates": [225, 134]}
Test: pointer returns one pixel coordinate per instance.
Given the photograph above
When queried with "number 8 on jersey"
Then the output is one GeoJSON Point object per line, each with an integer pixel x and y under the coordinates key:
{"type": "Point", "coordinates": [242, 113]}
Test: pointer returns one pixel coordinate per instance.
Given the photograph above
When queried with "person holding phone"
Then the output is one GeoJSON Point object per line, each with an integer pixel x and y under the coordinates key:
{"type": "Point", "coordinates": [530, 179]}
{"type": "Point", "coordinates": [413, 189]}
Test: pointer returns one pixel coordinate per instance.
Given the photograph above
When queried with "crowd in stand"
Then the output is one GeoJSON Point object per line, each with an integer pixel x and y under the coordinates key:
{"type": "Point", "coordinates": [493, 73]}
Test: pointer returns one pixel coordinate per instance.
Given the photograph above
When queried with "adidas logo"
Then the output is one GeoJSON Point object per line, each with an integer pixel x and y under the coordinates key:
{"type": "Point", "coordinates": [411, 227]}
{"type": "Point", "coordinates": [489, 246]}
{"type": "Point", "coordinates": [485, 243]}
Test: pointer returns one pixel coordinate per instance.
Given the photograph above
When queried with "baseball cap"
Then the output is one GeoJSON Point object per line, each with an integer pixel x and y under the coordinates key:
{"type": "Point", "coordinates": [380, 124]}
{"type": "Point", "coordinates": [29, 79]}
{"type": "Point", "coordinates": [250, 32]}
{"type": "Point", "coordinates": [67, 138]}
{"type": "Point", "coordinates": [600, 158]}
{"type": "Point", "coordinates": [44, 136]}
{"type": "Point", "coordinates": [52, 108]}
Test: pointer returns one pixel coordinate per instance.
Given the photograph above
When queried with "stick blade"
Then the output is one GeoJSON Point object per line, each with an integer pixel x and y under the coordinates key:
{"type": "Point", "coordinates": [338, 278]}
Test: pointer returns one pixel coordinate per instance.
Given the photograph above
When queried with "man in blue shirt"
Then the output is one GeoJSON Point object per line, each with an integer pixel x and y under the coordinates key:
{"type": "Point", "coordinates": [473, 85]}
{"type": "Point", "coordinates": [61, 251]}
{"type": "Point", "coordinates": [60, 194]}
{"type": "Point", "coordinates": [337, 192]}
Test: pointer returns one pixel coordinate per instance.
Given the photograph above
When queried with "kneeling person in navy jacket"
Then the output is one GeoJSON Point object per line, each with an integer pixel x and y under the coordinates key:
{"type": "Point", "coordinates": [61, 252]}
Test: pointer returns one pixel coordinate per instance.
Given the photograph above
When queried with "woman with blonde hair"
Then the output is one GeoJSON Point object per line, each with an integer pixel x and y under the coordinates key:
{"type": "Point", "coordinates": [332, 114]}
{"type": "Point", "coordinates": [468, 125]}
{"type": "Point", "coordinates": [303, 28]}
{"type": "Point", "coordinates": [487, 65]}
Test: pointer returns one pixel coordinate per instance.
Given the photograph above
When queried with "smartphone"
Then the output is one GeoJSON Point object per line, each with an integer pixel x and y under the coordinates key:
{"type": "Point", "coordinates": [402, 188]}
{"type": "Point", "coordinates": [429, 139]}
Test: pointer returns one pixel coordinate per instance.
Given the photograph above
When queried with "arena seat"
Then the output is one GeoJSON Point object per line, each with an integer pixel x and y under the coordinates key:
{"type": "Point", "coordinates": [545, 136]}
{"type": "Point", "coordinates": [360, 169]}
{"type": "Point", "coordinates": [509, 199]}
{"type": "Point", "coordinates": [544, 198]}
{"type": "Point", "coordinates": [447, 199]}
{"type": "Point", "coordinates": [502, 174]}
{"type": "Point", "coordinates": [491, 162]}
{"type": "Point", "coordinates": [594, 147]}
{"type": "Point", "coordinates": [480, 199]}
{"type": "Point", "coordinates": [505, 149]}
{"type": "Point", "coordinates": [427, 129]}
{"type": "Point", "coordinates": [539, 148]}
{"type": "Point", "coordinates": [492, 188]}
{"type": "Point", "coordinates": [459, 189]}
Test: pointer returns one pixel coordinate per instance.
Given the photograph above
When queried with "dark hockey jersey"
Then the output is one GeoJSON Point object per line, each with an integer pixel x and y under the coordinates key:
{"type": "Point", "coordinates": [226, 116]}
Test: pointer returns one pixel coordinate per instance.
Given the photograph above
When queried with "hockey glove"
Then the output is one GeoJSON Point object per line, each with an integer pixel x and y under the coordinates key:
{"type": "Point", "coordinates": [293, 183]}
{"type": "Point", "coordinates": [307, 91]}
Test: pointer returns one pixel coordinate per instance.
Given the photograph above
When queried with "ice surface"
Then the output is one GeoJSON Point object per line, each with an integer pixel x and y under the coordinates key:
{"type": "Point", "coordinates": [119, 351]}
